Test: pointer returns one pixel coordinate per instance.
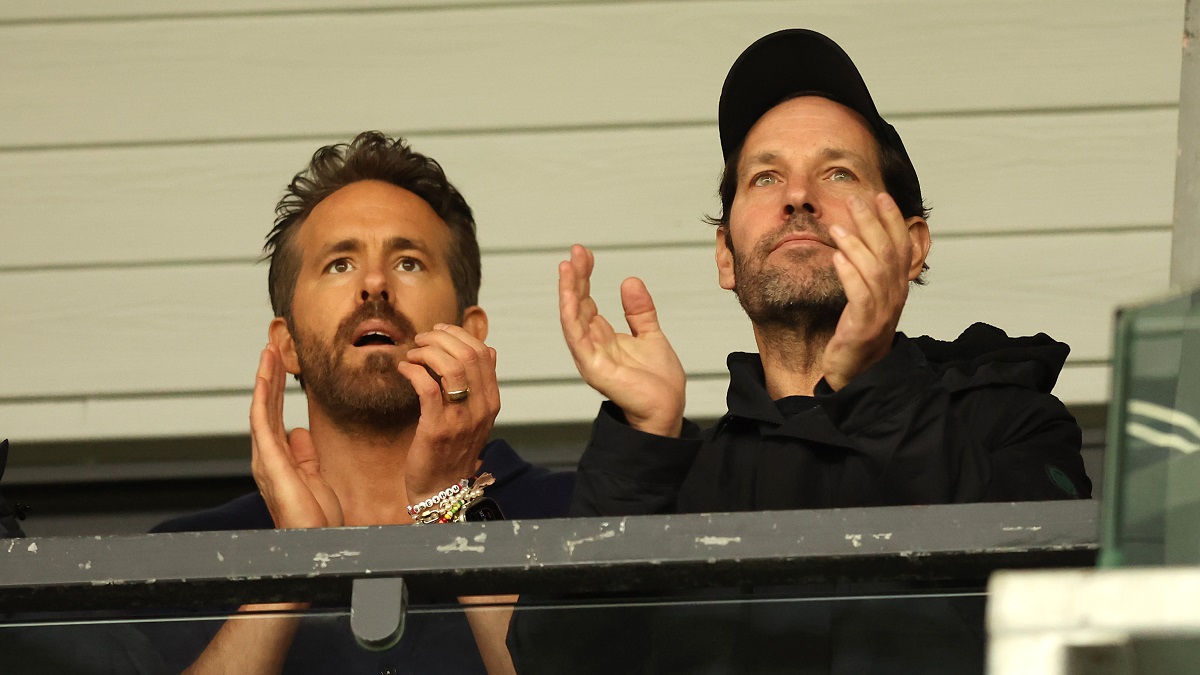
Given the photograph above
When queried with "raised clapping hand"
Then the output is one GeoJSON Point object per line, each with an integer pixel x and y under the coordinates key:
{"type": "Point", "coordinates": [875, 264]}
{"type": "Point", "coordinates": [286, 466]}
{"type": "Point", "coordinates": [638, 371]}
{"type": "Point", "coordinates": [449, 435]}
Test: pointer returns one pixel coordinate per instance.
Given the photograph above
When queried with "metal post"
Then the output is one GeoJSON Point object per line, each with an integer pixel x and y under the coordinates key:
{"type": "Point", "coordinates": [377, 611]}
{"type": "Point", "coordinates": [1185, 243]}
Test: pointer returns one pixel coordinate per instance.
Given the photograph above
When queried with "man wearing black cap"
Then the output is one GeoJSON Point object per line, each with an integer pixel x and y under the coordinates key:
{"type": "Point", "coordinates": [821, 233]}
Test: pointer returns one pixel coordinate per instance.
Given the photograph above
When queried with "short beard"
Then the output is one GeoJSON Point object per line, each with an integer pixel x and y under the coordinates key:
{"type": "Point", "coordinates": [374, 398]}
{"type": "Point", "coordinates": [799, 299]}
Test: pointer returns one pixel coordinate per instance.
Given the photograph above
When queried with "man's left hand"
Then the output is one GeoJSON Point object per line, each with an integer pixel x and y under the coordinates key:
{"type": "Point", "coordinates": [450, 434]}
{"type": "Point", "coordinates": [874, 261]}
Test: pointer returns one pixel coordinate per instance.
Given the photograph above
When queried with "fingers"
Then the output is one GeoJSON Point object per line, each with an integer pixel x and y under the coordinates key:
{"type": "Point", "coordinates": [878, 247]}
{"type": "Point", "coordinates": [586, 332]}
{"type": "Point", "coordinates": [449, 434]}
{"type": "Point", "coordinates": [267, 435]}
{"type": "Point", "coordinates": [302, 450]}
{"type": "Point", "coordinates": [883, 233]}
{"type": "Point", "coordinates": [640, 312]}
{"type": "Point", "coordinates": [462, 361]}
{"type": "Point", "coordinates": [575, 305]}
{"type": "Point", "coordinates": [271, 461]}
{"type": "Point", "coordinates": [896, 228]}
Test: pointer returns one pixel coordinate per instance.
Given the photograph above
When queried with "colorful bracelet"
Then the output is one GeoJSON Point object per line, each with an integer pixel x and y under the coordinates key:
{"type": "Point", "coordinates": [453, 508]}
{"type": "Point", "coordinates": [438, 498]}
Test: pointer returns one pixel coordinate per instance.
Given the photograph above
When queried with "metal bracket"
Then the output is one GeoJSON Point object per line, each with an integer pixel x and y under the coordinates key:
{"type": "Point", "coordinates": [377, 611]}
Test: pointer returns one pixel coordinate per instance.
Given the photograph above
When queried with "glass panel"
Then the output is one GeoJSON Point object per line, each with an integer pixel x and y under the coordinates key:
{"type": "Point", "coordinates": [844, 628]}
{"type": "Point", "coordinates": [1152, 516]}
{"type": "Point", "coordinates": [436, 639]}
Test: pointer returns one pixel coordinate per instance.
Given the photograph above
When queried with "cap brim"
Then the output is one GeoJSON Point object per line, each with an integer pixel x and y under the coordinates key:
{"type": "Point", "coordinates": [780, 65]}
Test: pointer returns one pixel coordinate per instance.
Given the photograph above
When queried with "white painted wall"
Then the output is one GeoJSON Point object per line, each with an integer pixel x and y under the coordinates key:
{"type": "Point", "coordinates": [143, 146]}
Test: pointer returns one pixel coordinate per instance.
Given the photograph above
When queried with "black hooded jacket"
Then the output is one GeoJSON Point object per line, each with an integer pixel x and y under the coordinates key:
{"type": "Point", "coordinates": [933, 422]}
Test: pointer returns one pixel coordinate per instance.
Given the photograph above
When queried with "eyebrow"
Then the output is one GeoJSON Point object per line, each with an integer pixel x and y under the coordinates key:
{"type": "Point", "coordinates": [825, 155]}
{"type": "Point", "coordinates": [835, 154]}
{"type": "Point", "coordinates": [391, 245]}
{"type": "Point", "coordinates": [765, 157]}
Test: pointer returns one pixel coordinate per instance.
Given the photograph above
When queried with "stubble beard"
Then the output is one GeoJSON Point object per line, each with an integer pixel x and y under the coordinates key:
{"type": "Point", "coordinates": [801, 296]}
{"type": "Point", "coordinates": [369, 398]}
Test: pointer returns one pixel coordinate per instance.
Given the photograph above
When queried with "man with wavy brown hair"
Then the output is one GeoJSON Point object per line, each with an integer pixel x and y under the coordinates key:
{"type": "Point", "coordinates": [374, 281]}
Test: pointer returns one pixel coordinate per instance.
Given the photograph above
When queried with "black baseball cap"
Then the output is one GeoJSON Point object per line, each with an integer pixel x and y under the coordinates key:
{"type": "Point", "coordinates": [789, 62]}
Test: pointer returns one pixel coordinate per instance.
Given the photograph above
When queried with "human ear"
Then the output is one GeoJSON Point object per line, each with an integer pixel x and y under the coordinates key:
{"type": "Point", "coordinates": [725, 261]}
{"type": "Point", "coordinates": [918, 234]}
{"type": "Point", "coordinates": [280, 336]}
{"type": "Point", "coordinates": [475, 322]}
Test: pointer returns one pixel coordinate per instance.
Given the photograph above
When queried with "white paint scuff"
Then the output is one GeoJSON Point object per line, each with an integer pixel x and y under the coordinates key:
{"type": "Point", "coordinates": [322, 559]}
{"type": "Point", "coordinates": [572, 543]}
{"type": "Point", "coordinates": [718, 541]}
{"type": "Point", "coordinates": [459, 544]}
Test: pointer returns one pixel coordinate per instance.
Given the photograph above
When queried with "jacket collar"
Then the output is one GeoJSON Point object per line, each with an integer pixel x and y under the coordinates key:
{"type": "Point", "coordinates": [747, 398]}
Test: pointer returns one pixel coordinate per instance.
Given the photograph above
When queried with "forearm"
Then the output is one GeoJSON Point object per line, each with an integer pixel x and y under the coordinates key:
{"type": "Point", "coordinates": [250, 644]}
{"type": "Point", "coordinates": [488, 616]}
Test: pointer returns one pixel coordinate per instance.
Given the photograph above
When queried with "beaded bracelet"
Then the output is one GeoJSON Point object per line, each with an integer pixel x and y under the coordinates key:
{"type": "Point", "coordinates": [438, 498]}
{"type": "Point", "coordinates": [453, 508]}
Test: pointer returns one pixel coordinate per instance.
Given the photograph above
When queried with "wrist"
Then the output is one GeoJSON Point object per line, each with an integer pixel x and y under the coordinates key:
{"type": "Point", "coordinates": [453, 503]}
{"type": "Point", "coordinates": [670, 426]}
{"type": "Point", "coordinates": [429, 499]}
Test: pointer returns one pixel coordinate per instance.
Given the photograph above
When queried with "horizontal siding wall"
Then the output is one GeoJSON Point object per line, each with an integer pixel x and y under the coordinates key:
{"type": "Point", "coordinates": [145, 145]}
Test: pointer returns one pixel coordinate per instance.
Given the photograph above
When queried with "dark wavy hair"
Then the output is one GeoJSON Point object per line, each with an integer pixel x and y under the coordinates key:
{"type": "Point", "coordinates": [370, 156]}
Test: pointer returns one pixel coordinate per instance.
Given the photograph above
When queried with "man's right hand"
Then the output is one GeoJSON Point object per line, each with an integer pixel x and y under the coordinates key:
{"type": "Point", "coordinates": [286, 466]}
{"type": "Point", "coordinates": [639, 371]}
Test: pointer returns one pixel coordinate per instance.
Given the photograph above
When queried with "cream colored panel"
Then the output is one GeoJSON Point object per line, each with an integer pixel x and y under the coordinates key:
{"type": "Point", "coordinates": [535, 66]}
{"type": "Point", "coordinates": [66, 10]}
{"type": "Point", "coordinates": [546, 190]}
{"type": "Point", "coordinates": [1064, 285]}
{"type": "Point", "coordinates": [1084, 384]}
{"type": "Point", "coordinates": [200, 328]}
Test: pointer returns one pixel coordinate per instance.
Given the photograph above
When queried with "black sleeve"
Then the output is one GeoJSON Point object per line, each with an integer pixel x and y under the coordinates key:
{"type": "Point", "coordinates": [1036, 455]}
{"type": "Point", "coordinates": [625, 472]}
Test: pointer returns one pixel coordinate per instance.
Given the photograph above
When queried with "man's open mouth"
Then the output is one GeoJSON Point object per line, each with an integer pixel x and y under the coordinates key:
{"type": "Point", "coordinates": [374, 338]}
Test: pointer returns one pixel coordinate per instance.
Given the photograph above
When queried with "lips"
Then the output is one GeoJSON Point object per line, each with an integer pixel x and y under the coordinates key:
{"type": "Point", "coordinates": [374, 323]}
{"type": "Point", "coordinates": [799, 237]}
{"type": "Point", "coordinates": [377, 333]}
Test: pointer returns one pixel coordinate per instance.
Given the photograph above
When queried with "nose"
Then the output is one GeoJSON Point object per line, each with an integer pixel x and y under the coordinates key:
{"type": "Point", "coordinates": [798, 197]}
{"type": "Point", "coordinates": [375, 284]}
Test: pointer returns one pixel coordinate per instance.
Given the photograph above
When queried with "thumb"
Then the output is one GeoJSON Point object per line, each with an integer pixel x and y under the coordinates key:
{"type": "Point", "coordinates": [304, 454]}
{"type": "Point", "coordinates": [640, 313]}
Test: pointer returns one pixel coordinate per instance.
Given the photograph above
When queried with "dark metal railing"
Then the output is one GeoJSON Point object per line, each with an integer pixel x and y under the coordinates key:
{"type": "Point", "coordinates": [593, 555]}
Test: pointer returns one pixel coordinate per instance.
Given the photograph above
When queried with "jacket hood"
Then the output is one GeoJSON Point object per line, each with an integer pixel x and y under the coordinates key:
{"type": "Point", "coordinates": [985, 355]}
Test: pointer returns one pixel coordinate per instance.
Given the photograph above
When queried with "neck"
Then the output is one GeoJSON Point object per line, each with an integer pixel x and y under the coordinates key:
{"type": "Point", "coordinates": [791, 358]}
{"type": "Point", "coordinates": [365, 468]}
